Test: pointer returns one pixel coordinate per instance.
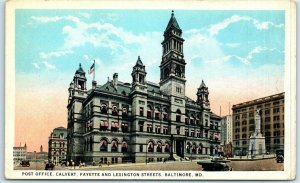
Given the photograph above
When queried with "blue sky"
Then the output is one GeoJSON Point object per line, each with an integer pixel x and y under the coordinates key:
{"type": "Point", "coordinates": [234, 52]}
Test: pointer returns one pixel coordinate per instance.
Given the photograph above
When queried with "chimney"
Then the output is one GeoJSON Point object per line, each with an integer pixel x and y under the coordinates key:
{"type": "Point", "coordinates": [115, 80]}
{"type": "Point", "coordinates": [94, 84]}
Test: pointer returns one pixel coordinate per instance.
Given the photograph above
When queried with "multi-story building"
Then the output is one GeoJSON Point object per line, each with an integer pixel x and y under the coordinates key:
{"type": "Point", "coordinates": [57, 145]}
{"type": "Point", "coordinates": [142, 121]}
{"type": "Point", "coordinates": [226, 129]}
{"type": "Point", "coordinates": [272, 123]}
{"type": "Point", "coordinates": [19, 153]}
{"type": "Point", "coordinates": [37, 156]}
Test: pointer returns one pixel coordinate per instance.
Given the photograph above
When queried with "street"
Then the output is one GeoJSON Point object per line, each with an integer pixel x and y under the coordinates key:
{"type": "Point", "coordinates": [258, 165]}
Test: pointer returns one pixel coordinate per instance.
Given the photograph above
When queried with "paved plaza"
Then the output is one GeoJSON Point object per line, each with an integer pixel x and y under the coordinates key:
{"type": "Point", "coordinates": [257, 165]}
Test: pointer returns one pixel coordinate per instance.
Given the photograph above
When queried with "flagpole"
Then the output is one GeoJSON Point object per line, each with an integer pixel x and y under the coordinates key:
{"type": "Point", "coordinates": [94, 71]}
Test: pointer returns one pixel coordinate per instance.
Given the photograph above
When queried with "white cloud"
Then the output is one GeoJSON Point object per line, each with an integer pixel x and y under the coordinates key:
{"type": "Point", "coordinates": [47, 19]}
{"type": "Point", "coordinates": [233, 45]}
{"type": "Point", "coordinates": [36, 65]}
{"type": "Point", "coordinates": [214, 29]}
{"type": "Point", "coordinates": [55, 53]}
{"type": "Point", "coordinates": [48, 65]}
{"type": "Point", "coordinates": [245, 60]}
{"type": "Point", "coordinates": [85, 15]}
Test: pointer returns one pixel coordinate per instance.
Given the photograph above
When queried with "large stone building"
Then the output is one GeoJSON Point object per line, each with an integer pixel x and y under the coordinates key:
{"type": "Point", "coordinates": [272, 123]}
{"type": "Point", "coordinates": [19, 153]}
{"type": "Point", "coordinates": [57, 145]}
{"type": "Point", "coordinates": [142, 121]}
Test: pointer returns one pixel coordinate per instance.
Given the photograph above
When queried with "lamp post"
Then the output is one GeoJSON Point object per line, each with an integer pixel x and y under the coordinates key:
{"type": "Point", "coordinates": [146, 153]}
{"type": "Point", "coordinates": [171, 147]}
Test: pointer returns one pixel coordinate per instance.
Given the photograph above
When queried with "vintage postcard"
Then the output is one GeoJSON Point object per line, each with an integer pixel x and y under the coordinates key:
{"type": "Point", "coordinates": [172, 90]}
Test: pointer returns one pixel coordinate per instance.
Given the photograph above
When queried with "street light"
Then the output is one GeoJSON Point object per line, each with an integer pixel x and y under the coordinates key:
{"type": "Point", "coordinates": [146, 153]}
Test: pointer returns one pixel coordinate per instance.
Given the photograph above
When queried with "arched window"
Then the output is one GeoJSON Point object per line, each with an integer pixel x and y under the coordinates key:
{"type": "Point", "coordinates": [178, 115]}
{"type": "Point", "coordinates": [165, 114]}
{"type": "Point", "coordinates": [150, 147]}
{"type": "Point", "coordinates": [114, 111]}
{"type": "Point", "coordinates": [187, 118]}
{"type": "Point", "coordinates": [200, 148]}
{"type": "Point", "coordinates": [166, 73]}
{"type": "Point", "coordinates": [159, 147]}
{"type": "Point", "coordinates": [103, 108]}
{"type": "Point", "coordinates": [178, 71]}
{"type": "Point", "coordinates": [114, 146]}
{"type": "Point", "coordinates": [192, 119]}
{"type": "Point", "coordinates": [157, 113]}
{"type": "Point", "coordinates": [167, 147]}
{"type": "Point", "coordinates": [188, 147]}
{"type": "Point", "coordinates": [103, 145]}
{"type": "Point", "coordinates": [124, 112]}
{"type": "Point", "coordinates": [149, 112]}
{"type": "Point", "coordinates": [124, 147]}
{"type": "Point", "coordinates": [194, 149]}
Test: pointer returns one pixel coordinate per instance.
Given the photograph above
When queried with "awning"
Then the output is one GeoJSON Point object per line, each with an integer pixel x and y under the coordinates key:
{"type": "Point", "coordinates": [106, 123]}
{"type": "Point", "coordinates": [113, 125]}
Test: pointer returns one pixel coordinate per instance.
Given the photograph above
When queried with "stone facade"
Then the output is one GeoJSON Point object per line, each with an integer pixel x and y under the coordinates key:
{"type": "Point", "coordinates": [272, 123]}
{"type": "Point", "coordinates": [142, 121]}
{"type": "Point", "coordinates": [57, 145]}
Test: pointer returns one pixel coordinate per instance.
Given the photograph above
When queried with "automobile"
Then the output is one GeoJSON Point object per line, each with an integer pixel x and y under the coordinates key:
{"type": "Point", "coordinates": [216, 163]}
{"type": "Point", "coordinates": [279, 155]}
{"type": "Point", "coordinates": [25, 163]}
{"type": "Point", "coordinates": [63, 162]}
{"type": "Point", "coordinates": [49, 166]}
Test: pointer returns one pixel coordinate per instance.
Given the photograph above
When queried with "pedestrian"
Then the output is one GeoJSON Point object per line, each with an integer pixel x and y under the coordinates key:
{"type": "Point", "coordinates": [107, 163]}
{"type": "Point", "coordinates": [100, 164]}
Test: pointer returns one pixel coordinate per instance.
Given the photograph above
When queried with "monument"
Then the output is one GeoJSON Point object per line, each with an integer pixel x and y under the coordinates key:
{"type": "Point", "coordinates": [257, 145]}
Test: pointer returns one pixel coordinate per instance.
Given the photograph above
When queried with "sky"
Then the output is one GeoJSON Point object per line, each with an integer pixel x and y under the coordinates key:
{"type": "Point", "coordinates": [238, 54]}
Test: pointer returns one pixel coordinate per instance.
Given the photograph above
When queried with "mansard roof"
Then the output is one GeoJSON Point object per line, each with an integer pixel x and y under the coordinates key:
{"type": "Point", "coordinates": [122, 88]}
{"type": "Point", "coordinates": [172, 22]}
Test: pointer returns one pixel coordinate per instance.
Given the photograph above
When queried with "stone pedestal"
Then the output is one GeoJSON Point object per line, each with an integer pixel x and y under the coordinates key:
{"type": "Point", "coordinates": [257, 145]}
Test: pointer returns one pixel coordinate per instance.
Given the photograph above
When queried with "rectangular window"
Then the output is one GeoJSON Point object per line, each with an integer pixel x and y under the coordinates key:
{"type": "Point", "coordinates": [165, 130]}
{"type": "Point", "coordinates": [141, 148]}
{"type": "Point", "coordinates": [157, 114]}
{"type": "Point", "coordinates": [277, 125]}
{"type": "Point", "coordinates": [276, 133]}
{"type": "Point", "coordinates": [149, 128]}
{"type": "Point", "coordinates": [178, 116]}
{"type": "Point", "coordinates": [244, 116]}
{"type": "Point", "coordinates": [157, 129]}
{"type": "Point", "coordinates": [125, 127]}
{"type": "Point", "coordinates": [141, 111]}
{"type": "Point", "coordinates": [267, 127]}
{"type": "Point", "coordinates": [244, 129]}
{"type": "Point", "coordinates": [178, 130]}
{"type": "Point", "coordinates": [165, 116]}
{"type": "Point", "coordinates": [275, 118]}
{"type": "Point", "coordinates": [193, 133]}
{"type": "Point", "coordinates": [267, 111]}
{"type": "Point", "coordinates": [149, 114]}
{"type": "Point", "coordinates": [186, 132]}
{"type": "Point", "coordinates": [267, 119]}
{"type": "Point", "coordinates": [141, 126]}
{"type": "Point", "coordinates": [244, 142]}
{"type": "Point", "coordinates": [275, 110]}
{"type": "Point", "coordinates": [276, 141]}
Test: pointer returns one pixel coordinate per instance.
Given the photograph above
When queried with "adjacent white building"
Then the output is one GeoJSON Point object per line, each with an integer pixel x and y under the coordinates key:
{"type": "Point", "coordinates": [226, 129]}
{"type": "Point", "coordinates": [19, 153]}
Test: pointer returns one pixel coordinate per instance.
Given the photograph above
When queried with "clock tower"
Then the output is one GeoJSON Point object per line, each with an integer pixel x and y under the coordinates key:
{"type": "Point", "coordinates": [172, 67]}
